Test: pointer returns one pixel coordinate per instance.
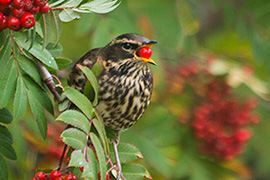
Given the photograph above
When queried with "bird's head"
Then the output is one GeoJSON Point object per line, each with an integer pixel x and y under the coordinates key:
{"type": "Point", "coordinates": [131, 47]}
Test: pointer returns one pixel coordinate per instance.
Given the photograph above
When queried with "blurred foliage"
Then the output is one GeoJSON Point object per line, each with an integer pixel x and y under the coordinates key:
{"type": "Point", "coordinates": [234, 34]}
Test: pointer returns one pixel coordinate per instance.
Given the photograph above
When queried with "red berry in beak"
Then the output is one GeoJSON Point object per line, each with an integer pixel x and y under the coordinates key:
{"type": "Point", "coordinates": [145, 52]}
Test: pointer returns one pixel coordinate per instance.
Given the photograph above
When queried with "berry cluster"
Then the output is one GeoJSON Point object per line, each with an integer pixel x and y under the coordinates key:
{"type": "Point", "coordinates": [220, 123]}
{"type": "Point", "coordinates": [54, 175]}
{"type": "Point", "coordinates": [18, 14]}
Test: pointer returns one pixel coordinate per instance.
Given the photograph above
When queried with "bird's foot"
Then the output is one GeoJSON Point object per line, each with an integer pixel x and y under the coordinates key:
{"type": "Point", "coordinates": [117, 172]}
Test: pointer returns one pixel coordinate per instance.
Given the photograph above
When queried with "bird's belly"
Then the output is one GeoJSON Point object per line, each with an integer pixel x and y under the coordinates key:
{"type": "Point", "coordinates": [121, 106]}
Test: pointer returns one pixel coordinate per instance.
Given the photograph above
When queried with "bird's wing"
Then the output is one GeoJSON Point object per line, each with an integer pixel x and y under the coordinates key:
{"type": "Point", "coordinates": [77, 78]}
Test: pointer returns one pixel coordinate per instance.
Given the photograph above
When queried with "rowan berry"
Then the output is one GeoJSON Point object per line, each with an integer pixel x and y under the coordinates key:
{"type": "Point", "coordinates": [5, 1]}
{"type": "Point", "coordinates": [27, 20]}
{"type": "Point", "coordinates": [55, 174]}
{"type": "Point", "coordinates": [41, 175]}
{"type": "Point", "coordinates": [17, 12]}
{"type": "Point", "coordinates": [4, 24]}
{"type": "Point", "coordinates": [145, 52]}
{"type": "Point", "coordinates": [44, 9]}
{"type": "Point", "coordinates": [13, 23]}
{"type": "Point", "coordinates": [18, 4]}
{"type": "Point", "coordinates": [70, 177]}
{"type": "Point", "coordinates": [28, 5]}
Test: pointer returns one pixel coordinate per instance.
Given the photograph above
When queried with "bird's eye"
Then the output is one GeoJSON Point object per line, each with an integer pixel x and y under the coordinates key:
{"type": "Point", "coordinates": [126, 46]}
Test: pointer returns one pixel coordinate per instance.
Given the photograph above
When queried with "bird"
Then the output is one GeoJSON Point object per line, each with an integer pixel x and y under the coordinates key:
{"type": "Point", "coordinates": [125, 83]}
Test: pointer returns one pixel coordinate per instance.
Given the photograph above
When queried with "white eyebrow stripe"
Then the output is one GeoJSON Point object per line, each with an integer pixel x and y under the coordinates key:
{"type": "Point", "coordinates": [125, 40]}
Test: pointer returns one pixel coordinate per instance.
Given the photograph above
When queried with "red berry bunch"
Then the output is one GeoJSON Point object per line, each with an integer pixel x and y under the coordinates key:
{"type": "Point", "coordinates": [18, 14]}
{"type": "Point", "coordinates": [220, 124]}
{"type": "Point", "coordinates": [54, 175]}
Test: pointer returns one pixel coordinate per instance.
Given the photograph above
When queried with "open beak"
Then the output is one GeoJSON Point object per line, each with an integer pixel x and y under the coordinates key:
{"type": "Point", "coordinates": [149, 45]}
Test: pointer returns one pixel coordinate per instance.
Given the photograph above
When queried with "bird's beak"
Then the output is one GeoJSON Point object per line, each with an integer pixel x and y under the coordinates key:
{"type": "Point", "coordinates": [149, 45]}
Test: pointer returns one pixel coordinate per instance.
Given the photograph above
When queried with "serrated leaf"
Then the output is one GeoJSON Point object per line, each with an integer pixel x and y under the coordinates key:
{"type": "Point", "coordinates": [8, 83]}
{"type": "Point", "coordinates": [100, 155]}
{"type": "Point", "coordinates": [29, 68]}
{"type": "Point", "coordinates": [3, 169]}
{"type": "Point", "coordinates": [80, 101]}
{"type": "Point", "coordinates": [5, 51]}
{"type": "Point", "coordinates": [92, 79]}
{"type": "Point", "coordinates": [40, 53]}
{"type": "Point", "coordinates": [55, 49]}
{"type": "Point", "coordinates": [77, 159]}
{"type": "Point", "coordinates": [5, 116]}
{"type": "Point", "coordinates": [39, 94]}
{"type": "Point", "coordinates": [63, 63]}
{"type": "Point", "coordinates": [74, 138]}
{"type": "Point", "coordinates": [98, 6]}
{"type": "Point", "coordinates": [63, 105]}
{"type": "Point", "coordinates": [91, 169]}
{"type": "Point", "coordinates": [20, 100]}
{"type": "Point", "coordinates": [39, 115]}
{"type": "Point", "coordinates": [7, 150]}
{"type": "Point", "coordinates": [68, 15]}
{"type": "Point", "coordinates": [135, 172]}
{"type": "Point", "coordinates": [5, 135]}
{"type": "Point", "coordinates": [75, 119]}
{"type": "Point", "coordinates": [56, 26]}
{"type": "Point", "coordinates": [127, 153]}
{"type": "Point", "coordinates": [46, 24]}
{"type": "Point", "coordinates": [101, 132]}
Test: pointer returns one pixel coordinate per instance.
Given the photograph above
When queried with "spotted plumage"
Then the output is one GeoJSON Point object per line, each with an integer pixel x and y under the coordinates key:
{"type": "Point", "coordinates": [125, 83]}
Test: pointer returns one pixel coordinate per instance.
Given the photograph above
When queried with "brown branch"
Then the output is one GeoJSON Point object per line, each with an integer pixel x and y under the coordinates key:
{"type": "Point", "coordinates": [48, 79]}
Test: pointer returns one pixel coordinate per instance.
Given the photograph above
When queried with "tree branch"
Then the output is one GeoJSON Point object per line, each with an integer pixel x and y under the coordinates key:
{"type": "Point", "coordinates": [48, 79]}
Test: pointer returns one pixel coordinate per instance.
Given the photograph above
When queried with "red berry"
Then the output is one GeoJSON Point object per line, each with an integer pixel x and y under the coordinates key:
{"type": "Point", "coordinates": [145, 52]}
{"type": "Point", "coordinates": [70, 177]}
{"type": "Point", "coordinates": [13, 23]}
{"type": "Point", "coordinates": [27, 20]}
{"type": "Point", "coordinates": [55, 174]}
{"type": "Point", "coordinates": [40, 2]}
{"type": "Point", "coordinates": [34, 178]}
{"type": "Point", "coordinates": [5, 1]}
{"type": "Point", "coordinates": [18, 4]}
{"type": "Point", "coordinates": [99, 176]}
{"type": "Point", "coordinates": [44, 9]}
{"type": "Point", "coordinates": [17, 12]}
{"type": "Point", "coordinates": [1, 17]}
{"type": "Point", "coordinates": [35, 10]}
{"type": "Point", "coordinates": [28, 5]}
{"type": "Point", "coordinates": [107, 176]}
{"type": "Point", "coordinates": [4, 24]}
{"type": "Point", "coordinates": [41, 175]}
{"type": "Point", "coordinates": [59, 178]}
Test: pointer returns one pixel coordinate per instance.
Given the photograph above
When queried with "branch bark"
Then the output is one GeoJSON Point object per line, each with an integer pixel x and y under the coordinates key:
{"type": "Point", "coordinates": [48, 79]}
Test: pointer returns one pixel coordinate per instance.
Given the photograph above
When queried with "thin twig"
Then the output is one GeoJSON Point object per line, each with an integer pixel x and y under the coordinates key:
{"type": "Point", "coordinates": [48, 79]}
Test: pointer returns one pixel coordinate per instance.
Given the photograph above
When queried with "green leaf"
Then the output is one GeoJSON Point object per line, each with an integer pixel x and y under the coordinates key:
{"type": "Point", "coordinates": [38, 113]}
{"type": "Point", "coordinates": [5, 116]}
{"type": "Point", "coordinates": [29, 68]}
{"type": "Point", "coordinates": [40, 53]}
{"type": "Point", "coordinates": [63, 63]}
{"type": "Point", "coordinates": [92, 79]}
{"type": "Point", "coordinates": [77, 159]}
{"type": "Point", "coordinates": [71, 3]}
{"type": "Point", "coordinates": [91, 169]}
{"type": "Point", "coordinates": [68, 15]}
{"type": "Point", "coordinates": [5, 135]}
{"type": "Point", "coordinates": [101, 132]}
{"type": "Point", "coordinates": [74, 138]}
{"type": "Point", "coordinates": [80, 101]}
{"type": "Point", "coordinates": [46, 22]}
{"type": "Point", "coordinates": [75, 119]}
{"type": "Point", "coordinates": [100, 155]}
{"type": "Point", "coordinates": [3, 169]}
{"type": "Point", "coordinates": [7, 150]}
{"type": "Point", "coordinates": [127, 153]}
{"type": "Point", "coordinates": [135, 172]}
{"type": "Point", "coordinates": [56, 26]}
{"type": "Point", "coordinates": [20, 100]}
{"type": "Point", "coordinates": [5, 51]}
{"type": "Point", "coordinates": [97, 68]}
{"type": "Point", "coordinates": [55, 49]}
{"type": "Point", "coordinates": [39, 94]}
{"type": "Point", "coordinates": [99, 6]}
{"type": "Point", "coordinates": [8, 83]}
